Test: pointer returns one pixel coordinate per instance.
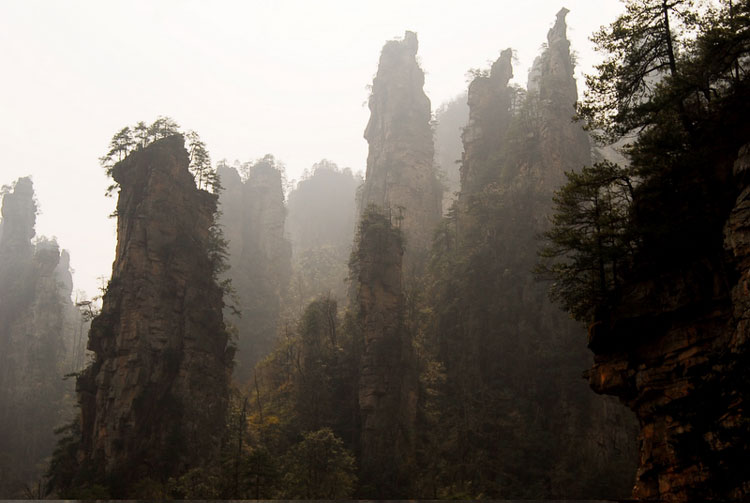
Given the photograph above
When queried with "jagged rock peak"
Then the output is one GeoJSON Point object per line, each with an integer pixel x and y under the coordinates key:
{"type": "Point", "coordinates": [559, 32]}
{"type": "Point", "coordinates": [409, 45]}
{"type": "Point", "coordinates": [502, 69]}
{"type": "Point", "coordinates": [400, 172]}
{"type": "Point", "coordinates": [153, 401]}
{"type": "Point", "coordinates": [19, 216]}
{"type": "Point", "coordinates": [556, 81]}
{"type": "Point", "coordinates": [489, 100]}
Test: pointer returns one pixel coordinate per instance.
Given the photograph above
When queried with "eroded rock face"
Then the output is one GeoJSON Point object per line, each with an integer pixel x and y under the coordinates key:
{"type": "Point", "coordinates": [565, 145]}
{"type": "Point", "coordinates": [675, 351]}
{"type": "Point", "coordinates": [451, 118]}
{"type": "Point", "coordinates": [19, 218]}
{"type": "Point", "coordinates": [490, 114]}
{"type": "Point", "coordinates": [33, 332]}
{"type": "Point", "coordinates": [387, 380]}
{"type": "Point", "coordinates": [400, 172]}
{"type": "Point", "coordinates": [253, 217]}
{"type": "Point", "coordinates": [154, 399]}
{"type": "Point", "coordinates": [522, 351]}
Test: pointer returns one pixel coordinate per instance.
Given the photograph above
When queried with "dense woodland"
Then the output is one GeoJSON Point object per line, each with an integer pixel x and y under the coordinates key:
{"type": "Point", "coordinates": [422, 331]}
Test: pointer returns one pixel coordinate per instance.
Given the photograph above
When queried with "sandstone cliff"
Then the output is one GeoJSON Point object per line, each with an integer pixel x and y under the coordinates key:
{"type": "Point", "coordinates": [510, 353]}
{"type": "Point", "coordinates": [387, 391]}
{"type": "Point", "coordinates": [154, 399]}
{"type": "Point", "coordinates": [400, 174]}
{"type": "Point", "coordinates": [259, 255]}
{"type": "Point", "coordinates": [489, 99]}
{"type": "Point", "coordinates": [674, 349]}
{"type": "Point", "coordinates": [566, 144]}
{"type": "Point", "coordinates": [34, 304]}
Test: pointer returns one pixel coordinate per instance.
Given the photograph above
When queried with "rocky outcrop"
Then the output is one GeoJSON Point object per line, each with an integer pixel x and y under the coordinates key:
{"type": "Point", "coordinates": [76, 318]}
{"type": "Point", "coordinates": [507, 349]}
{"type": "Point", "coordinates": [400, 171]}
{"type": "Point", "coordinates": [564, 143]}
{"type": "Point", "coordinates": [33, 335]}
{"type": "Point", "coordinates": [154, 399]}
{"type": "Point", "coordinates": [387, 392]}
{"type": "Point", "coordinates": [489, 99]}
{"type": "Point", "coordinates": [253, 216]}
{"type": "Point", "coordinates": [674, 349]}
{"type": "Point", "coordinates": [19, 219]}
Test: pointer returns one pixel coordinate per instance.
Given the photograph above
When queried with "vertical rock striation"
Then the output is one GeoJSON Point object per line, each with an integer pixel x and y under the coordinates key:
{"type": "Point", "coordinates": [451, 118]}
{"type": "Point", "coordinates": [507, 350]}
{"type": "Point", "coordinates": [490, 114]}
{"type": "Point", "coordinates": [153, 401]}
{"type": "Point", "coordinates": [387, 376]}
{"type": "Point", "coordinates": [33, 308]}
{"type": "Point", "coordinates": [253, 217]}
{"type": "Point", "coordinates": [565, 145]}
{"type": "Point", "coordinates": [400, 171]}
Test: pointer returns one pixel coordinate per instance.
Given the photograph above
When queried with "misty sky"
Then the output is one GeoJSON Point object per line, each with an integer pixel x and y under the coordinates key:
{"type": "Point", "coordinates": [251, 77]}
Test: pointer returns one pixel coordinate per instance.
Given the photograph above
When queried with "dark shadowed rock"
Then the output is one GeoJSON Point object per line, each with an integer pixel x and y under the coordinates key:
{"type": "Point", "coordinates": [674, 349]}
{"type": "Point", "coordinates": [154, 399]}
{"type": "Point", "coordinates": [387, 380]}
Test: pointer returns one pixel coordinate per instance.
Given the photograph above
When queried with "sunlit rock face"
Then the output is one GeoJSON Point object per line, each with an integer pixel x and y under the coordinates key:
{"type": "Point", "coordinates": [387, 391]}
{"type": "Point", "coordinates": [675, 350]}
{"type": "Point", "coordinates": [253, 216]}
{"type": "Point", "coordinates": [154, 399]}
{"type": "Point", "coordinates": [400, 172]}
{"type": "Point", "coordinates": [34, 306]}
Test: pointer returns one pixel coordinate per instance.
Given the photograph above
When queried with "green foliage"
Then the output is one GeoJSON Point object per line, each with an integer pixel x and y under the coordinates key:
{"type": "Point", "coordinates": [140, 136]}
{"type": "Point", "coordinates": [306, 384]}
{"type": "Point", "coordinates": [589, 246]}
{"type": "Point", "coordinates": [319, 467]}
{"type": "Point", "coordinates": [197, 483]}
{"type": "Point", "coordinates": [641, 49]}
{"type": "Point", "coordinates": [377, 230]}
{"type": "Point", "coordinates": [691, 123]}
{"type": "Point", "coordinates": [200, 163]}
{"type": "Point", "coordinates": [66, 477]}
{"type": "Point", "coordinates": [64, 464]}
{"type": "Point", "coordinates": [498, 361]}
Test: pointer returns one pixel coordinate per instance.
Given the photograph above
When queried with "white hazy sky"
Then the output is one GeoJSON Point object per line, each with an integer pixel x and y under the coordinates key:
{"type": "Point", "coordinates": [251, 77]}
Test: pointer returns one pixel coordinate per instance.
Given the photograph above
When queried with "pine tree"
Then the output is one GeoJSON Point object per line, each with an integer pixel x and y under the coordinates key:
{"type": "Point", "coordinates": [588, 246]}
{"type": "Point", "coordinates": [641, 48]}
